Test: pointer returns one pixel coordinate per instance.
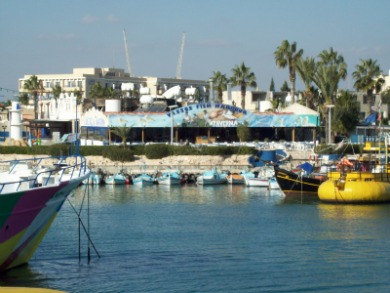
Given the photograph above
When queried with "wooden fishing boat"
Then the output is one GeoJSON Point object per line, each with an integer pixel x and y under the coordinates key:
{"type": "Point", "coordinates": [294, 183]}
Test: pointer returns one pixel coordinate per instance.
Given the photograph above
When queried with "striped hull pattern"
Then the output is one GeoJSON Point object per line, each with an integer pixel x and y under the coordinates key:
{"type": "Point", "coordinates": [25, 217]}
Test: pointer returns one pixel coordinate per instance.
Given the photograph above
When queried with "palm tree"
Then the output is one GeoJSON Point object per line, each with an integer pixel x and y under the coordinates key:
{"type": "Point", "coordinates": [97, 91]}
{"type": "Point", "coordinates": [34, 86]}
{"type": "Point", "coordinates": [306, 69]}
{"type": "Point", "coordinates": [220, 82]}
{"type": "Point", "coordinates": [287, 55]}
{"type": "Point", "coordinates": [56, 91]}
{"type": "Point", "coordinates": [367, 78]}
{"type": "Point", "coordinates": [123, 132]}
{"type": "Point", "coordinates": [346, 113]}
{"type": "Point", "coordinates": [330, 70]}
{"type": "Point", "coordinates": [243, 77]}
{"type": "Point", "coordinates": [79, 95]}
{"type": "Point", "coordinates": [111, 93]}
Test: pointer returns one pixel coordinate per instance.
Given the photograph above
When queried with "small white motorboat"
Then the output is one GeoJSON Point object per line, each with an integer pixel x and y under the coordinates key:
{"type": "Point", "coordinates": [169, 178]}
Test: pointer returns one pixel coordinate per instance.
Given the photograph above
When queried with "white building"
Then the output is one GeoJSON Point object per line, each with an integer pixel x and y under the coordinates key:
{"type": "Point", "coordinates": [84, 78]}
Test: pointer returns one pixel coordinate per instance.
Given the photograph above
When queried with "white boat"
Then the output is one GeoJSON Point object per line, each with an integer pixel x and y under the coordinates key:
{"type": "Point", "coordinates": [212, 177]}
{"type": "Point", "coordinates": [169, 178]}
{"type": "Point", "coordinates": [32, 192]}
{"type": "Point", "coordinates": [238, 179]}
{"type": "Point", "coordinates": [94, 179]}
{"type": "Point", "coordinates": [257, 182]}
{"type": "Point", "coordinates": [143, 179]}
{"type": "Point", "coordinates": [261, 178]}
{"type": "Point", "coordinates": [116, 179]}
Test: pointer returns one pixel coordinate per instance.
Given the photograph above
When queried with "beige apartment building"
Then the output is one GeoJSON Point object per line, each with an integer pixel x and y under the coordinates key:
{"type": "Point", "coordinates": [84, 78]}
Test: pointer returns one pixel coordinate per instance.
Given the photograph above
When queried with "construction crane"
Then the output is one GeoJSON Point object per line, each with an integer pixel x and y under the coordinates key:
{"type": "Point", "coordinates": [127, 53]}
{"type": "Point", "coordinates": [180, 60]}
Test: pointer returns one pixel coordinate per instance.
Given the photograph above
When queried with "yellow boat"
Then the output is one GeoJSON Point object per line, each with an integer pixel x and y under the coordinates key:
{"type": "Point", "coordinates": [346, 186]}
{"type": "Point", "coordinates": [27, 290]}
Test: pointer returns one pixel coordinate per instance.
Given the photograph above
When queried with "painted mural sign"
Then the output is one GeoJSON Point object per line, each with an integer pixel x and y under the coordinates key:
{"type": "Point", "coordinates": [211, 115]}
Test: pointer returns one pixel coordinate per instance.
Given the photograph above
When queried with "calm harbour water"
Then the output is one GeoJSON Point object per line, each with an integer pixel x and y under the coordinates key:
{"type": "Point", "coordinates": [211, 239]}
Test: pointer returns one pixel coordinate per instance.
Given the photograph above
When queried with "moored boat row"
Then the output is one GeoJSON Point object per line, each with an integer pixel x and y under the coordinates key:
{"type": "Point", "coordinates": [257, 177]}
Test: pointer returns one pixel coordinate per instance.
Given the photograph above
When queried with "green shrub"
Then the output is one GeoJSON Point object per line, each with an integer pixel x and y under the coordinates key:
{"type": "Point", "coordinates": [118, 153]}
{"type": "Point", "coordinates": [157, 151]}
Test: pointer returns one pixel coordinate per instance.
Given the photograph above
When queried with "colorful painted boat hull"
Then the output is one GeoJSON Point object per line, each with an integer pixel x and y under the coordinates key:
{"type": "Point", "coordinates": [294, 184]}
{"type": "Point", "coordinates": [235, 179]}
{"type": "Point", "coordinates": [26, 215]}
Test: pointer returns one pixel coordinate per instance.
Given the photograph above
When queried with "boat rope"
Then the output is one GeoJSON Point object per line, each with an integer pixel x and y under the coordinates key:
{"type": "Point", "coordinates": [81, 224]}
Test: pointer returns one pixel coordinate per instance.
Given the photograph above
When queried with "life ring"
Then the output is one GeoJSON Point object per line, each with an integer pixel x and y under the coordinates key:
{"type": "Point", "coordinates": [313, 158]}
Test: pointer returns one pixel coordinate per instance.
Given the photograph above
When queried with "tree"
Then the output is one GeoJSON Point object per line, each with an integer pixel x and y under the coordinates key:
{"type": "Point", "coordinates": [34, 86]}
{"type": "Point", "coordinates": [111, 93]}
{"type": "Point", "coordinates": [330, 70]}
{"type": "Point", "coordinates": [220, 84]}
{"type": "Point", "coordinates": [346, 113]}
{"type": "Point", "coordinates": [272, 85]}
{"type": "Point", "coordinates": [56, 91]}
{"type": "Point", "coordinates": [123, 132]}
{"type": "Point", "coordinates": [97, 91]}
{"type": "Point", "coordinates": [79, 95]}
{"type": "Point", "coordinates": [285, 87]}
{"type": "Point", "coordinates": [288, 55]}
{"type": "Point", "coordinates": [243, 77]}
{"type": "Point", "coordinates": [367, 78]}
{"type": "Point", "coordinates": [243, 132]}
{"type": "Point", "coordinates": [306, 69]}
{"type": "Point", "coordinates": [23, 99]}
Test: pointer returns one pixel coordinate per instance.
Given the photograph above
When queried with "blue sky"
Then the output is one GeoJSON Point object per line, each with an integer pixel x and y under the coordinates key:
{"type": "Point", "coordinates": [46, 36]}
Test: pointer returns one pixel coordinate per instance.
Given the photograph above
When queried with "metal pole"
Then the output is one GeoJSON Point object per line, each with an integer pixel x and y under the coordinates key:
{"type": "Point", "coordinates": [171, 108]}
{"type": "Point", "coordinates": [330, 123]}
{"type": "Point", "coordinates": [171, 127]}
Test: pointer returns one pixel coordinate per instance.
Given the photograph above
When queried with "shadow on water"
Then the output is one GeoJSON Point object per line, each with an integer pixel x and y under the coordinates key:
{"type": "Point", "coordinates": [22, 276]}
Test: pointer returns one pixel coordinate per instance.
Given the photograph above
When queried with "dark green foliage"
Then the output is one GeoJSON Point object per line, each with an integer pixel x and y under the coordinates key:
{"type": "Point", "coordinates": [157, 151]}
{"type": "Point", "coordinates": [185, 150]}
{"type": "Point", "coordinates": [138, 150]}
{"type": "Point", "coordinates": [126, 154]}
{"type": "Point", "coordinates": [61, 150]}
{"type": "Point", "coordinates": [116, 153]}
{"type": "Point", "coordinates": [243, 132]}
{"type": "Point", "coordinates": [91, 150]}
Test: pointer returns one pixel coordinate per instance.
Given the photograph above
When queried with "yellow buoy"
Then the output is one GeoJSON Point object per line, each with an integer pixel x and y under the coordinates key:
{"type": "Point", "coordinates": [354, 191]}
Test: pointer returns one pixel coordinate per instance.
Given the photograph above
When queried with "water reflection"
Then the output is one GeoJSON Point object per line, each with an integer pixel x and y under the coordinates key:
{"type": "Point", "coordinates": [190, 193]}
{"type": "Point", "coordinates": [22, 276]}
{"type": "Point", "coordinates": [347, 212]}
